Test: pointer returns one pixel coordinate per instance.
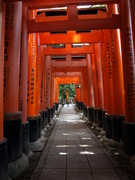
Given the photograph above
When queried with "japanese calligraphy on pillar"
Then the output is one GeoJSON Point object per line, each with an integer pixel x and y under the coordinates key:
{"type": "Point", "coordinates": [109, 57]}
{"type": "Point", "coordinates": [6, 45]}
{"type": "Point", "coordinates": [85, 79]}
{"type": "Point", "coordinates": [42, 73]}
{"type": "Point", "coordinates": [32, 75]}
{"type": "Point", "coordinates": [20, 76]}
{"type": "Point", "coordinates": [131, 84]}
{"type": "Point", "coordinates": [113, 49]}
{"type": "Point", "coordinates": [48, 80]}
{"type": "Point", "coordinates": [96, 70]}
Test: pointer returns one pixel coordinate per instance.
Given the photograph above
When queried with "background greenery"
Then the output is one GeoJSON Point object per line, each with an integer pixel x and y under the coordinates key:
{"type": "Point", "coordinates": [62, 88]}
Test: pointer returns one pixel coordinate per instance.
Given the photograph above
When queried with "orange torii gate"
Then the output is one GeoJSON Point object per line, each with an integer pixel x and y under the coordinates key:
{"type": "Point", "coordinates": [67, 80]}
{"type": "Point", "coordinates": [70, 72]}
{"type": "Point", "coordinates": [72, 37]}
{"type": "Point", "coordinates": [68, 50]}
{"type": "Point", "coordinates": [63, 75]}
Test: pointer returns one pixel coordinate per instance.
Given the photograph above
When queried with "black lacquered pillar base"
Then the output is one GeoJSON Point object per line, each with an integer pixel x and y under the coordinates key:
{"type": "Point", "coordinates": [33, 128]}
{"type": "Point", "coordinates": [42, 119]}
{"type": "Point", "coordinates": [56, 104]}
{"type": "Point", "coordinates": [54, 109]}
{"type": "Point", "coordinates": [108, 125]}
{"type": "Point", "coordinates": [76, 103]}
{"type": "Point", "coordinates": [129, 138]}
{"type": "Point", "coordinates": [3, 160]}
{"type": "Point", "coordinates": [103, 120]}
{"type": "Point", "coordinates": [13, 133]}
{"type": "Point", "coordinates": [49, 114]}
{"type": "Point", "coordinates": [91, 114]}
{"type": "Point", "coordinates": [25, 138]}
{"type": "Point", "coordinates": [99, 117]}
{"type": "Point", "coordinates": [88, 112]}
{"type": "Point", "coordinates": [117, 128]}
{"type": "Point", "coordinates": [96, 116]}
{"type": "Point", "coordinates": [85, 111]}
{"type": "Point", "coordinates": [45, 117]}
{"type": "Point", "coordinates": [81, 106]}
{"type": "Point", "coordinates": [39, 125]}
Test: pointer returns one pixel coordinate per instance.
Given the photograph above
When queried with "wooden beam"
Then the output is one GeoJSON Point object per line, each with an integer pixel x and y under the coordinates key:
{"type": "Point", "coordinates": [69, 63]}
{"type": "Point", "coordinates": [112, 22]}
{"type": "Point", "coordinates": [67, 80]}
{"type": "Point", "coordinates": [68, 74]}
{"type": "Point", "coordinates": [69, 69]}
{"type": "Point", "coordinates": [71, 37]}
{"type": "Point", "coordinates": [64, 51]}
{"type": "Point", "coordinates": [34, 4]}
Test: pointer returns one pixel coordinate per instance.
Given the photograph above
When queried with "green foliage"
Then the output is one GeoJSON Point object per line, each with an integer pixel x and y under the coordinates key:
{"type": "Point", "coordinates": [62, 88]}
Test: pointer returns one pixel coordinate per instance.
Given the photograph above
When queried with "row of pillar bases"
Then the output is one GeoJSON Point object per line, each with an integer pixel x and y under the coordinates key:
{"type": "Point", "coordinates": [15, 149]}
{"type": "Point", "coordinates": [114, 126]}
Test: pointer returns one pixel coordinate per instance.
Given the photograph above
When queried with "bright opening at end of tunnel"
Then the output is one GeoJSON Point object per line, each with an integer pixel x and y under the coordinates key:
{"type": "Point", "coordinates": [66, 89]}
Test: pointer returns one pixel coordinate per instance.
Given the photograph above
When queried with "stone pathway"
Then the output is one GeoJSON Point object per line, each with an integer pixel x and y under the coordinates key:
{"type": "Point", "coordinates": [73, 152]}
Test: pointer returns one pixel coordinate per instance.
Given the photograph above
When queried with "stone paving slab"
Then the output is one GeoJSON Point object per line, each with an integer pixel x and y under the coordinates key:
{"type": "Point", "coordinates": [53, 174]}
{"type": "Point", "coordinates": [79, 174]}
{"type": "Point", "coordinates": [73, 152]}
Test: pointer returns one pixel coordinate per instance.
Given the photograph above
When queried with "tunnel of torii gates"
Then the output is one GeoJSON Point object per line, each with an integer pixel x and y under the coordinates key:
{"type": "Point", "coordinates": [32, 67]}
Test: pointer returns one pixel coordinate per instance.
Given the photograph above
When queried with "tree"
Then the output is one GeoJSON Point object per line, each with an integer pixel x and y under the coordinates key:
{"type": "Point", "coordinates": [62, 88]}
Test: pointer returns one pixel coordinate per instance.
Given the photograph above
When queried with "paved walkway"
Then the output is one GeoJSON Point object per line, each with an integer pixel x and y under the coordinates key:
{"type": "Point", "coordinates": [73, 152]}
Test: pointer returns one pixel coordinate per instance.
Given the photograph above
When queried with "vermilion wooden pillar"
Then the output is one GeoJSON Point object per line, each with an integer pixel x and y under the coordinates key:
{"type": "Point", "coordinates": [78, 92]}
{"type": "Point", "coordinates": [42, 78]}
{"type": "Point", "coordinates": [24, 66]}
{"type": "Point", "coordinates": [128, 55]}
{"type": "Point", "coordinates": [85, 90]}
{"type": "Point", "coordinates": [43, 103]}
{"type": "Point", "coordinates": [104, 74]}
{"type": "Point", "coordinates": [2, 33]}
{"type": "Point", "coordinates": [38, 85]}
{"type": "Point", "coordinates": [117, 80]}
{"type": "Point", "coordinates": [12, 117]}
{"type": "Point", "coordinates": [109, 84]}
{"type": "Point", "coordinates": [99, 80]}
{"type": "Point", "coordinates": [94, 80]}
{"type": "Point", "coordinates": [38, 75]}
{"type": "Point", "coordinates": [3, 141]}
{"type": "Point", "coordinates": [31, 97]}
{"type": "Point", "coordinates": [56, 94]}
{"type": "Point", "coordinates": [81, 90]}
{"type": "Point", "coordinates": [94, 77]}
{"type": "Point", "coordinates": [81, 95]}
{"type": "Point", "coordinates": [48, 85]}
{"type": "Point", "coordinates": [23, 82]}
{"type": "Point", "coordinates": [104, 64]}
{"type": "Point", "coordinates": [52, 95]}
{"type": "Point", "coordinates": [91, 107]}
{"type": "Point", "coordinates": [55, 104]}
{"type": "Point", "coordinates": [132, 6]}
{"type": "Point", "coordinates": [77, 97]}
{"type": "Point", "coordinates": [44, 87]}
